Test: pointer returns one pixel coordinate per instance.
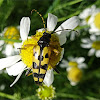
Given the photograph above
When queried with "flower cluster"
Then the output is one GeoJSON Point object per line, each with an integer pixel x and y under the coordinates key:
{"type": "Point", "coordinates": [91, 17]}
{"type": "Point", "coordinates": [9, 47]}
{"type": "Point", "coordinates": [15, 65]}
{"type": "Point", "coordinates": [74, 68]}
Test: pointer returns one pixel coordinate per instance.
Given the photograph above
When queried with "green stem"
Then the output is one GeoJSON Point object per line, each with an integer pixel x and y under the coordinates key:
{"type": "Point", "coordinates": [91, 98]}
{"type": "Point", "coordinates": [91, 61]}
{"type": "Point", "coordinates": [68, 95]}
{"type": "Point", "coordinates": [12, 40]}
{"type": "Point", "coordinates": [7, 96]}
{"type": "Point", "coordinates": [56, 7]}
{"type": "Point", "coordinates": [64, 18]}
{"type": "Point", "coordinates": [65, 95]}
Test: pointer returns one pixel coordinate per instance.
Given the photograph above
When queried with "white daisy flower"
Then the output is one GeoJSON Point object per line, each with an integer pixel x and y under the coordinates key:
{"type": "Point", "coordinates": [77, 61]}
{"type": "Point", "coordinates": [10, 32]}
{"type": "Point", "coordinates": [92, 43]}
{"type": "Point", "coordinates": [94, 22]}
{"type": "Point", "coordinates": [15, 65]}
{"type": "Point", "coordinates": [86, 14]}
{"type": "Point", "coordinates": [74, 68]}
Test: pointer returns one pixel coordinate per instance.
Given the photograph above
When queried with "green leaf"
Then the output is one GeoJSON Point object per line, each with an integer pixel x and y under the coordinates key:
{"type": "Point", "coordinates": [1, 1]}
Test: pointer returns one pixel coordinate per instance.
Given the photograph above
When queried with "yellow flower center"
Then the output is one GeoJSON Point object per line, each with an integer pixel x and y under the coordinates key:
{"type": "Point", "coordinates": [46, 93]}
{"type": "Point", "coordinates": [87, 19]}
{"type": "Point", "coordinates": [96, 45]}
{"type": "Point", "coordinates": [97, 20]}
{"type": "Point", "coordinates": [27, 50]}
{"type": "Point", "coordinates": [72, 64]}
{"type": "Point", "coordinates": [74, 74]}
{"type": "Point", "coordinates": [12, 33]}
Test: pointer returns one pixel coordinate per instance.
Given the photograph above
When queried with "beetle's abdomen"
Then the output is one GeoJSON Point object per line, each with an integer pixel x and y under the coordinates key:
{"type": "Point", "coordinates": [40, 63]}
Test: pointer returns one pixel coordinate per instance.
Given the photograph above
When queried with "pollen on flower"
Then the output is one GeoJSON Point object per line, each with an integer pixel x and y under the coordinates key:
{"type": "Point", "coordinates": [46, 93]}
{"type": "Point", "coordinates": [96, 45]}
{"type": "Point", "coordinates": [12, 33]}
{"type": "Point", "coordinates": [74, 74]}
{"type": "Point", "coordinates": [72, 64]}
{"type": "Point", "coordinates": [97, 20]}
{"type": "Point", "coordinates": [55, 56]}
{"type": "Point", "coordinates": [27, 51]}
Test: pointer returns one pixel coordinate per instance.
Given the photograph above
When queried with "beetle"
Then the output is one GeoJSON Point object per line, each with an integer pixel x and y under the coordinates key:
{"type": "Point", "coordinates": [41, 58]}
{"type": "Point", "coordinates": [41, 55]}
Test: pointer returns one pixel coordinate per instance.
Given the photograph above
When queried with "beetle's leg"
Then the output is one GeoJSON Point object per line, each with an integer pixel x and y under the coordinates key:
{"type": "Point", "coordinates": [49, 53]}
{"type": "Point", "coordinates": [34, 38]}
{"type": "Point", "coordinates": [56, 70]}
{"type": "Point", "coordinates": [26, 46]}
{"type": "Point", "coordinates": [28, 72]}
{"type": "Point", "coordinates": [29, 45]}
{"type": "Point", "coordinates": [22, 48]}
{"type": "Point", "coordinates": [56, 51]}
{"type": "Point", "coordinates": [54, 43]}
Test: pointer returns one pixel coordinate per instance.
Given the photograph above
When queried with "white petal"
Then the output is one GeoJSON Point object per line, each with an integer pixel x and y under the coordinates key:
{"type": "Point", "coordinates": [86, 40]}
{"type": "Point", "coordinates": [2, 42]}
{"type": "Point", "coordinates": [17, 78]}
{"type": "Point", "coordinates": [83, 65]}
{"type": "Point", "coordinates": [40, 30]}
{"type": "Point", "coordinates": [98, 53]}
{"type": "Point", "coordinates": [68, 69]}
{"type": "Point", "coordinates": [51, 22]}
{"type": "Point", "coordinates": [86, 45]}
{"type": "Point", "coordinates": [62, 38]}
{"type": "Point", "coordinates": [49, 77]}
{"type": "Point", "coordinates": [24, 27]}
{"type": "Point", "coordinates": [8, 50]}
{"type": "Point", "coordinates": [72, 36]}
{"type": "Point", "coordinates": [64, 64]}
{"type": "Point", "coordinates": [93, 37]}
{"type": "Point", "coordinates": [17, 45]}
{"type": "Point", "coordinates": [62, 53]}
{"type": "Point", "coordinates": [16, 68]}
{"type": "Point", "coordinates": [7, 62]}
{"type": "Point", "coordinates": [85, 13]}
{"type": "Point", "coordinates": [71, 23]}
{"type": "Point", "coordinates": [73, 83]}
{"type": "Point", "coordinates": [91, 52]}
{"type": "Point", "coordinates": [80, 60]}
{"type": "Point", "coordinates": [70, 58]}
{"type": "Point", "coordinates": [94, 30]}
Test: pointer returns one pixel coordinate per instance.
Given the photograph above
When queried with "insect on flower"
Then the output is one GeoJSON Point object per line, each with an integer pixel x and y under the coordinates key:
{"type": "Point", "coordinates": [41, 52]}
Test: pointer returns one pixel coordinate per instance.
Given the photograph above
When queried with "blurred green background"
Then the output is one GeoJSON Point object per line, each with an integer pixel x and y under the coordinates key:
{"type": "Point", "coordinates": [11, 12]}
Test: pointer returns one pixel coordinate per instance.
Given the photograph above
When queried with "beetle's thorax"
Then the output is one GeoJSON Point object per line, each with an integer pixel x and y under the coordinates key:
{"type": "Point", "coordinates": [44, 40]}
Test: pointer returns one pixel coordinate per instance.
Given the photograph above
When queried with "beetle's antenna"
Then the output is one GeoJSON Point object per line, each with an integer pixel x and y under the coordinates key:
{"type": "Point", "coordinates": [66, 30]}
{"type": "Point", "coordinates": [40, 16]}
